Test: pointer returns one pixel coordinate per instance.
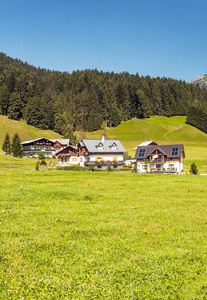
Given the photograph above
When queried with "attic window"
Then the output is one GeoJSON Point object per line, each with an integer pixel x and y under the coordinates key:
{"type": "Point", "coordinates": [114, 146]}
{"type": "Point", "coordinates": [100, 146]}
{"type": "Point", "coordinates": [142, 152]}
{"type": "Point", "coordinates": [174, 151]}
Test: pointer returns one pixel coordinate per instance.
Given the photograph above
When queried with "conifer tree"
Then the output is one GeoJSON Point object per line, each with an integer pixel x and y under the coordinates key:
{"type": "Point", "coordinates": [16, 146]}
{"type": "Point", "coordinates": [6, 145]}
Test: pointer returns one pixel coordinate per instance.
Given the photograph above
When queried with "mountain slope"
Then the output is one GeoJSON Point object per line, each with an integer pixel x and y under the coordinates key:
{"type": "Point", "coordinates": [200, 80]}
{"type": "Point", "coordinates": [25, 131]}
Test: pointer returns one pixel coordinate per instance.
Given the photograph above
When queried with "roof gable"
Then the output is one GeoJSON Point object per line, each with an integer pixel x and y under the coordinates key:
{"type": "Point", "coordinates": [41, 140]}
{"type": "Point", "coordinates": [67, 149]}
{"type": "Point", "coordinates": [164, 149]}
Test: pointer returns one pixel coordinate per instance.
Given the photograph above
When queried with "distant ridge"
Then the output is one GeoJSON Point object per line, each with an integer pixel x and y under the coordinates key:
{"type": "Point", "coordinates": [201, 80]}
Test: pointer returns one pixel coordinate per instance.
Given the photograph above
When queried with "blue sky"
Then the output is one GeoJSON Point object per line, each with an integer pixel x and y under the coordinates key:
{"type": "Point", "coordinates": [151, 37]}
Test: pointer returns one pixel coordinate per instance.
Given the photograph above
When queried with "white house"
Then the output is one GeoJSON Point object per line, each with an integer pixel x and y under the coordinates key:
{"type": "Point", "coordinates": [96, 152]}
{"type": "Point", "coordinates": [160, 158]}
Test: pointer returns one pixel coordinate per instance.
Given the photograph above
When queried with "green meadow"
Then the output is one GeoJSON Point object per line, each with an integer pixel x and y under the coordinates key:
{"type": "Point", "coordinates": [104, 235]}
{"type": "Point", "coordinates": [100, 235]}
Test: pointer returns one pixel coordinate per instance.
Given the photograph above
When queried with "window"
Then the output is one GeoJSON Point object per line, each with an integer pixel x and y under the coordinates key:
{"type": "Point", "coordinates": [114, 146]}
{"type": "Point", "coordinates": [100, 146]}
{"type": "Point", "coordinates": [141, 152]}
{"type": "Point", "coordinates": [174, 151]}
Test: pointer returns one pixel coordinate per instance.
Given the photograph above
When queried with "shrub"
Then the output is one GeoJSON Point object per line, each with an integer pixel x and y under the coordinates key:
{"type": "Point", "coordinates": [134, 169]}
{"type": "Point", "coordinates": [72, 168]}
{"type": "Point", "coordinates": [41, 156]}
{"type": "Point", "coordinates": [109, 168]}
{"type": "Point", "coordinates": [43, 162]}
{"type": "Point", "coordinates": [193, 169]}
{"type": "Point", "coordinates": [91, 167]}
{"type": "Point", "coordinates": [37, 166]}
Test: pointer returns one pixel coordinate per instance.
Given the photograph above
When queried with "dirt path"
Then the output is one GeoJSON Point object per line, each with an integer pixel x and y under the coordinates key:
{"type": "Point", "coordinates": [175, 129]}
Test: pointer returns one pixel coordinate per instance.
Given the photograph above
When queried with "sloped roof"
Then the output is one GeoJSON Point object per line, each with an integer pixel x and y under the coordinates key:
{"type": "Point", "coordinates": [35, 140]}
{"type": "Point", "coordinates": [67, 147]}
{"type": "Point", "coordinates": [146, 143]}
{"type": "Point", "coordinates": [92, 146]}
{"type": "Point", "coordinates": [165, 149]}
{"type": "Point", "coordinates": [62, 141]}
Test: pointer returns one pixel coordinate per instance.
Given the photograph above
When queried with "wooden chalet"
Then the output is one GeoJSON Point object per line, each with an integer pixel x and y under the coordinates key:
{"type": "Point", "coordinates": [32, 148]}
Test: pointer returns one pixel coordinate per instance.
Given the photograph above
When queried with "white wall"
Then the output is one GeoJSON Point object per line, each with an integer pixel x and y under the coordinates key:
{"type": "Point", "coordinates": [107, 157]}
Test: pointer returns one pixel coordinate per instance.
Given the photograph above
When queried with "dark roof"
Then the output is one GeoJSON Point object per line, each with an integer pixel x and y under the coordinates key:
{"type": "Point", "coordinates": [92, 146]}
{"type": "Point", "coordinates": [35, 140]}
{"type": "Point", "coordinates": [67, 148]}
{"type": "Point", "coordinates": [165, 149]}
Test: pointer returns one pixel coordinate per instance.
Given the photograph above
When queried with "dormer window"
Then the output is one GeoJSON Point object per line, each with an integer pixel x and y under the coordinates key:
{"type": "Point", "coordinates": [100, 146]}
{"type": "Point", "coordinates": [114, 146]}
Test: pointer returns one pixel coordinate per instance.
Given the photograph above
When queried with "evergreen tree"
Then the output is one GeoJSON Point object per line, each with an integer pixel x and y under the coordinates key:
{"type": "Point", "coordinates": [6, 145]}
{"type": "Point", "coordinates": [4, 100]}
{"type": "Point", "coordinates": [193, 169]}
{"type": "Point", "coordinates": [16, 146]}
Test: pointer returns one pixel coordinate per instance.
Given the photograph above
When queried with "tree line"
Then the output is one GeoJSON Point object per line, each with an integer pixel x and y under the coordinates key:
{"type": "Point", "coordinates": [83, 100]}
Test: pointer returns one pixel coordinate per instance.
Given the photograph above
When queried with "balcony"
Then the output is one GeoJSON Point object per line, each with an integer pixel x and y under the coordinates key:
{"type": "Point", "coordinates": [104, 163]}
{"type": "Point", "coordinates": [157, 161]}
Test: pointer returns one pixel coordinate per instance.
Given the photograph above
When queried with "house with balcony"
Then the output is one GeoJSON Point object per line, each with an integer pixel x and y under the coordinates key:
{"type": "Point", "coordinates": [32, 148]}
{"type": "Point", "coordinates": [151, 157]}
{"type": "Point", "coordinates": [60, 144]}
{"type": "Point", "coordinates": [96, 152]}
{"type": "Point", "coordinates": [68, 156]}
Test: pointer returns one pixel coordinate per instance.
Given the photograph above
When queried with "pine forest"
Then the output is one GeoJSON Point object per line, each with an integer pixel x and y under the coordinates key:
{"type": "Point", "coordinates": [83, 100]}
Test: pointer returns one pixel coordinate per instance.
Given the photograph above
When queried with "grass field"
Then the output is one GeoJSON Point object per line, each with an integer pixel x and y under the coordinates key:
{"type": "Point", "coordinates": [99, 235]}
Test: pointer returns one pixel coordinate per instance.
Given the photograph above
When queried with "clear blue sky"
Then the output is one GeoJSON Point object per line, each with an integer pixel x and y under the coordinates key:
{"type": "Point", "coordinates": [152, 37]}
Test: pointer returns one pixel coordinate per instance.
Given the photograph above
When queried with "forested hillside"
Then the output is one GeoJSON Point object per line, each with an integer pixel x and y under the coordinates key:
{"type": "Point", "coordinates": [66, 102]}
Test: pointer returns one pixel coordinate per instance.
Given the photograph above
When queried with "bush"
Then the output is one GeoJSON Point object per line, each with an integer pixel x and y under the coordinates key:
{"type": "Point", "coordinates": [72, 168]}
{"type": "Point", "coordinates": [193, 169]}
{"type": "Point", "coordinates": [43, 162]}
{"type": "Point", "coordinates": [37, 166]}
{"type": "Point", "coordinates": [91, 167]}
{"type": "Point", "coordinates": [109, 168]}
{"type": "Point", "coordinates": [134, 168]}
{"type": "Point", "coordinates": [41, 156]}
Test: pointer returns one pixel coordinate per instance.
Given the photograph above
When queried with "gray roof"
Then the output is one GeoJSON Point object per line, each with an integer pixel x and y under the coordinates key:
{"type": "Point", "coordinates": [92, 146]}
{"type": "Point", "coordinates": [62, 141]}
{"type": "Point", "coordinates": [165, 149]}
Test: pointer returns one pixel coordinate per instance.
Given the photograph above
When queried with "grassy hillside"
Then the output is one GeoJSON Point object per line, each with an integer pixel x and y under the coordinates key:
{"type": "Point", "coordinates": [25, 131]}
{"type": "Point", "coordinates": [162, 130]}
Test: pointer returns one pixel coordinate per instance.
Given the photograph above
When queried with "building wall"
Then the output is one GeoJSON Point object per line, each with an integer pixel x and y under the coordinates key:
{"type": "Point", "coordinates": [106, 157]}
{"type": "Point", "coordinates": [170, 165]}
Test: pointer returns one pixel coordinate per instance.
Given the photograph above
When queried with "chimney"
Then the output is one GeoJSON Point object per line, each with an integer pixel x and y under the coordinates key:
{"type": "Point", "coordinates": [102, 139]}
